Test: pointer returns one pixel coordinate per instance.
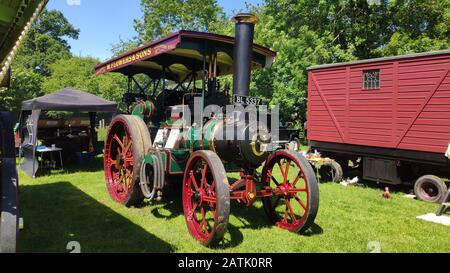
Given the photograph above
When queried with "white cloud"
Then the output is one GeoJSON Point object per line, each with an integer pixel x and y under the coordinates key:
{"type": "Point", "coordinates": [74, 2]}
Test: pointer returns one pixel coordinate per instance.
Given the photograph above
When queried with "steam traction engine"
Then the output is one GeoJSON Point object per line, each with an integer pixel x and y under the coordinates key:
{"type": "Point", "coordinates": [183, 72]}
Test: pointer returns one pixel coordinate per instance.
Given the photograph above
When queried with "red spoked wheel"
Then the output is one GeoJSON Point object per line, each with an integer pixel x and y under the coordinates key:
{"type": "Point", "coordinates": [295, 201]}
{"type": "Point", "coordinates": [206, 198]}
{"type": "Point", "coordinates": [125, 147]}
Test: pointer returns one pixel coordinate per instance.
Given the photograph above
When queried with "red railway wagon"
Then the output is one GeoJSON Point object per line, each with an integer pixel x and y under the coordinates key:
{"type": "Point", "coordinates": [390, 116]}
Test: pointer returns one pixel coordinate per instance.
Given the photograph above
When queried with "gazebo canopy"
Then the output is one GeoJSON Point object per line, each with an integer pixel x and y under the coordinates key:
{"type": "Point", "coordinates": [69, 99]}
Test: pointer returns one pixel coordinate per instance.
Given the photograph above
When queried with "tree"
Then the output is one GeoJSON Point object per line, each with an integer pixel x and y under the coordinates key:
{"type": "Point", "coordinates": [418, 26]}
{"type": "Point", "coordinates": [78, 72]}
{"type": "Point", "coordinates": [161, 17]}
{"type": "Point", "coordinates": [307, 33]}
{"type": "Point", "coordinates": [25, 84]}
{"type": "Point", "coordinates": [47, 42]}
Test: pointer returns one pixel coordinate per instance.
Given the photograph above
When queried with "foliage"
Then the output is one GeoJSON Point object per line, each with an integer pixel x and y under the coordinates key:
{"type": "Point", "coordinates": [307, 33]}
{"type": "Point", "coordinates": [45, 44]}
{"type": "Point", "coordinates": [25, 84]}
{"type": "Point", "coordinates": [303, 32]}
{"type": "Point", "coordinates": [78, 72]}
{"type": "Point", "coordinates": [161, 17]}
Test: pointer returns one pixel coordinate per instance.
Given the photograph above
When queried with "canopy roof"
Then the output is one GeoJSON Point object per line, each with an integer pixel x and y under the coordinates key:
{"type": "Point", "coordinates": [70, 99]}
{"type": "Point", "coordinates": [182, 53]}
{"type": "Point", "coordinates": [14, 15]}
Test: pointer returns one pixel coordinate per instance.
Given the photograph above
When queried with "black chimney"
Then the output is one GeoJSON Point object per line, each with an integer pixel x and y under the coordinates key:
{"type": "Point", "coordinates": [243, 52]}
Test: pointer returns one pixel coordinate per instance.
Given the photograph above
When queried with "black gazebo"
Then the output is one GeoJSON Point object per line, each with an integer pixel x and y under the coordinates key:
{"type": "Point", "coordinates": [67, 99]}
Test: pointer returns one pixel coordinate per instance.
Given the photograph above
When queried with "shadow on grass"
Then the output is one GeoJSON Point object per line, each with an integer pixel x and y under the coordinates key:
{"type": "Point", "coordinates": [95, 166]}
{"type": "Point", "coordinates": [59, 213]}
{"type": "Point", "coordinates": [405, 188]}
{"type": "Point", "coordinates": [313, 231]}
{"type": "Point", "coordinates": [248, 217]}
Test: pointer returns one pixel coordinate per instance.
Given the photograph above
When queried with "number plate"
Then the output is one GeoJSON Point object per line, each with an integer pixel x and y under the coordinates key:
{"type": "Point", "coordinates": [247, 100]}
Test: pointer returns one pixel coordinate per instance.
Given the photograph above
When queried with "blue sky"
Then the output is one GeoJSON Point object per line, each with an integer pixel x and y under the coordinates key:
{"type": "Point", "coordinates": [103, 22]}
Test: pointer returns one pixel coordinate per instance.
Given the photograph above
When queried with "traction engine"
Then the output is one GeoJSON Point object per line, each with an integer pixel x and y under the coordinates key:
{"type": "Point", "coordinates": [202, 153]}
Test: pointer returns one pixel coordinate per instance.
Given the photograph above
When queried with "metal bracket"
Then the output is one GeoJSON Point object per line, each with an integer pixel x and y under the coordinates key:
{"type": "Point", "coordinates": [447, 154]}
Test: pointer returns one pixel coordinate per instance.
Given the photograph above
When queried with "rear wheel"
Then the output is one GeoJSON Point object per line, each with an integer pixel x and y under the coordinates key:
{"type": "Point", "coordinates": [430, 188]}
{"type": "Point", "coordinates": [295, 201]}
{"type": "Point", "coordinates": [206, 198]}
{"type": "Point", "coordinates": [125, 147]}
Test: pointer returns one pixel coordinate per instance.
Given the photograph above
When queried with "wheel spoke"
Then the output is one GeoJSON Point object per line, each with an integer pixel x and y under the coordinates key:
{"type": "Point", "coordinates": [203, 182]}
{"type": "Point", "coordinates": [130, 160]}
{"type": "Point", "coordinates": [286, 213]}
{"type": "Point", "coordinates": [288, 204]}
{"type": "Point", "coordinates": [210, 199]}
{"type": "Point", "coordinates": [192, 212]}
{"type": "Point", "coordinates": [110, 163]}
{"type": "Point", "coordinates": [204, 223]}
{"type": "Point", "coordinates": [128, 147]}
{"type": "Point", "coordinates": [119, 181]}
{"type": "Point", "coordinates": [270, 174]}
{"type": "Point", "coordinates": [281, 168]}
{"type": "Point", "coordinates": [300, 202]}
{"type": "Point", "coordinates": [286, 172]}
{"type": "Point", "coordinates": [130, 174]}
{"type": "Point", "coordinates": [116, 138]}
{"type": "Point", "coordinates": [194, 182]}
{"type": "Point", "coordinates": [298, 190]}
{"type": "Point", "coordinates": [297, 178]}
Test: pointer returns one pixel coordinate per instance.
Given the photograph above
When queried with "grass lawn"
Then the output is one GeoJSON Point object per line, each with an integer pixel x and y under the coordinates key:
{"type": "Point", "coordinates": [75, 206]}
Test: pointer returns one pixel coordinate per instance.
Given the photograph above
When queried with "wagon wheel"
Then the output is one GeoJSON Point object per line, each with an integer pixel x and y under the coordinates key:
{"type": "Point", "coordinates": [430, 188]}
{"type": "Point", "coordinates": [206, 198]}
{"type": "Point", "coordinates": [331, 171]}
{"type": "Point", "coordinates": [295, 201]}
{"type": "Point", "coordinates": [127, 141]}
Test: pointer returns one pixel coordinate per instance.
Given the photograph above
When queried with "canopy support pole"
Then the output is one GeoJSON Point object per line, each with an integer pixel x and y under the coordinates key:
{"type": "Point", "coordinates": [92, 119]}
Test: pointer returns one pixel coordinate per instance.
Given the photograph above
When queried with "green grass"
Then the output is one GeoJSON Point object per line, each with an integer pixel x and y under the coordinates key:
{"type": "Point", "coordinates": [101, 133]}
{"type": "Point", "coordinates": [75, 206]}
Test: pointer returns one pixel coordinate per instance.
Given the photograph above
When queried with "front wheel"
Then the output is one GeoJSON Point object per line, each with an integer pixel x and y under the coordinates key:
{"type": "Point", "coordinates": [206, 198]}
{"type": "Point", "coordinates": [295, 201]}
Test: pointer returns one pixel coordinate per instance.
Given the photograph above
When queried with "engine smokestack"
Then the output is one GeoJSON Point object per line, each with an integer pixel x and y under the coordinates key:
{"type": "Point", "coordinates": [243, 52]}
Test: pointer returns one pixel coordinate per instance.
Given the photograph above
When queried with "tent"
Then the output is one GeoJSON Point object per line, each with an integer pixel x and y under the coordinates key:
{"type": "Point", "coordinates": [67, 99]}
